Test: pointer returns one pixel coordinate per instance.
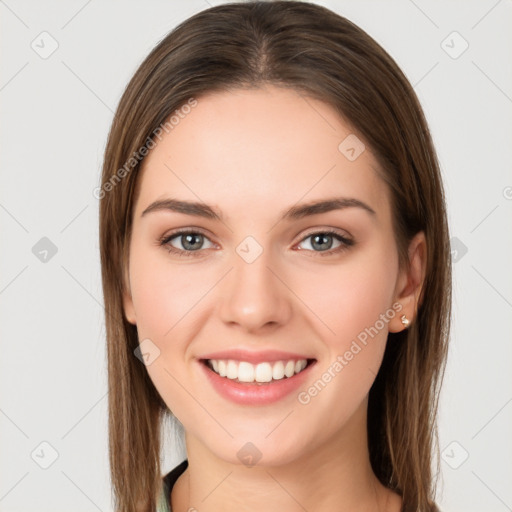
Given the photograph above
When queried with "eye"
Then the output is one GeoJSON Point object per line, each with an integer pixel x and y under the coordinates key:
{"type": "Point", "coordinates": [190, 241]}
{"type": "Point", "coordinates": [322, 240]}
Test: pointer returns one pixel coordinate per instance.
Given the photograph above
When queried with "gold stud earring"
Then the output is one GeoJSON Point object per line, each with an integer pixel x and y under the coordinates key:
{"type": "Point", "coordinates": [405, 321]}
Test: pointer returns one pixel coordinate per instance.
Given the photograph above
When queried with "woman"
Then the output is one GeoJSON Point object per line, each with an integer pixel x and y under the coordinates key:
{"type": "Point", "coordinates": [305, 374]}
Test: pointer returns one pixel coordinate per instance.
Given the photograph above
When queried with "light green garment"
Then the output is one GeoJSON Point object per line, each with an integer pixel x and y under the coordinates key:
{"type": "Point", "coordinates": [163, 504]}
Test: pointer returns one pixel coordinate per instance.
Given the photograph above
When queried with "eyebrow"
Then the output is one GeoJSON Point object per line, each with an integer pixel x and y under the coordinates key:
{"type": "Point", "coordinates": [294, 213]}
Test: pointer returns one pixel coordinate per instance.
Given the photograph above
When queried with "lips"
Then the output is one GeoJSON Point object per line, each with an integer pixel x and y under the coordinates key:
{"type": "Point", "coordinates": [255, 378]}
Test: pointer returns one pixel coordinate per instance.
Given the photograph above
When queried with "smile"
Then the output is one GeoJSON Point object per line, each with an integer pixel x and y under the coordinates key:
{"type": "Point", "coordinates": [260, 388]}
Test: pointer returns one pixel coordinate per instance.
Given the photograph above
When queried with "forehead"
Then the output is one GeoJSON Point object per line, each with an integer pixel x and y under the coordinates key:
{"type": "Point", "coordinates": [244, 149]}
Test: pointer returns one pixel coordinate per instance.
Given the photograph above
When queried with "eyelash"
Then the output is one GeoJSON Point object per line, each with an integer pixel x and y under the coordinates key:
{"type": "Point", "coordinates": [345, 242]}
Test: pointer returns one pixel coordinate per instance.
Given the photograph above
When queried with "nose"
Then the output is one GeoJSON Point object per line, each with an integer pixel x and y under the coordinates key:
{"type": "Point", "coordinates": [254, 295]}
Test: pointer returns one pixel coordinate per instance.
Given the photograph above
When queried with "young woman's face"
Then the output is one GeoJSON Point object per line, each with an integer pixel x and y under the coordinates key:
{"type": "Point", "coordinates": [257, 285]}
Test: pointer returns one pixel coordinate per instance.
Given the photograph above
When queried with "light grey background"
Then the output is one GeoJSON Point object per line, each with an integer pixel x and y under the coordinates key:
{"type": "Point", "coordinates": [55, 115]}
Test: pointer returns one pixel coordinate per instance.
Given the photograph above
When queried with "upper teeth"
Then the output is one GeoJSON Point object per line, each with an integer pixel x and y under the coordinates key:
{"type": "Point", "coordinates": [262, 372]}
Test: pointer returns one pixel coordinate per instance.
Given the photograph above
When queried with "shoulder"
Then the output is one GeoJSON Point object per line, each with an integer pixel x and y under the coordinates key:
{"type": "Point", "coordinates": [168, 482]}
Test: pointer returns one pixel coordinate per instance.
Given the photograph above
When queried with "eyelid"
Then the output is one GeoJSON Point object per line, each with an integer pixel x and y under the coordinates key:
{"type": "Point", "coordinates": [327, 229]}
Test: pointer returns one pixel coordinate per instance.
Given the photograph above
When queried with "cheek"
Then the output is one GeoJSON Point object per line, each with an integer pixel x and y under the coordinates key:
{"type": "Point", "coordinates": [163, 293]}
{"type": "Point", "coordinates": [354, 352]}
{"type": "Point", "coordinates": [351, 297]}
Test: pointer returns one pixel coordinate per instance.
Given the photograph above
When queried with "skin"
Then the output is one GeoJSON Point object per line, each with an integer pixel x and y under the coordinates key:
{"type": "Point", "coordinates": [252, 154]}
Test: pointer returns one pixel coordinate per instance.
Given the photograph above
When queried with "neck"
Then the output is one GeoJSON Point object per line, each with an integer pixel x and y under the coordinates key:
{"type": "Point", "coordinates": [334, 476]}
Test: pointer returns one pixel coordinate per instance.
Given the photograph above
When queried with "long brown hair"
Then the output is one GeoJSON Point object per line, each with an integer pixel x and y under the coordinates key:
{"type": "Point", "coordinates": [324, 56]}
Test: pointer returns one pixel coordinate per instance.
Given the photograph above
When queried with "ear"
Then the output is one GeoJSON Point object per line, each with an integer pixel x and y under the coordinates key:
{"type": "Point", "coordinates": [129, 310]}
{"type": "Point", "coordinates": [410, 283]}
